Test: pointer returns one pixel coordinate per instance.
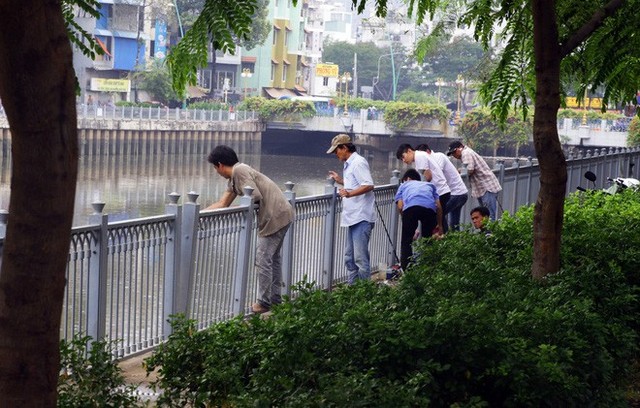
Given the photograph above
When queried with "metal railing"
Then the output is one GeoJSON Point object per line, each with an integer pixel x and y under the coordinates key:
{"type": "Point", "coordinates": [124, 279]}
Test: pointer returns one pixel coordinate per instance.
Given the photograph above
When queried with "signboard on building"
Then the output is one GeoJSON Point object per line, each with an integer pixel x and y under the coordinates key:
{"type": "Point", "coordinates": [110, 85]}
{"type": "Point", "coordinates": [593, 103]}
{"type": "Point", "coordinates": [327, 70]}
{"type": "Point", "coordinates": [160, 42]}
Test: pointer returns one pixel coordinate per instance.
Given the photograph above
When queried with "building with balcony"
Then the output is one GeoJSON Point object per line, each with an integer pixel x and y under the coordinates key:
{"type": "Point", "coordinates": [122, 34]}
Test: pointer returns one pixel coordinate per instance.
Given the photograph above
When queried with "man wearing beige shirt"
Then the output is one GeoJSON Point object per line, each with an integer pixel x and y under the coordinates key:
{"type": "Point", "coordinates": [275, 215]}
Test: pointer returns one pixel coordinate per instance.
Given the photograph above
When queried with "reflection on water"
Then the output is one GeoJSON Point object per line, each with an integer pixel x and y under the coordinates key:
{"type": "Point", "coordinates": [138, 186]}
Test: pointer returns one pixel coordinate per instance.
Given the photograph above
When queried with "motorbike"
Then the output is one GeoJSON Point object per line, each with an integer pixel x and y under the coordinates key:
{"type": "Point", "coordinates": [618, 184]}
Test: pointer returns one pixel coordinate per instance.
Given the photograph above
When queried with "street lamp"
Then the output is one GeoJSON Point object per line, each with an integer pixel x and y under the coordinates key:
{"type": "Point", "coordinates": [376, 78]}
{"type": "Point", "coordinates": [459, 82]}
{"type": "Point", "coordinates": [246, 74]}
{"type": "Point", "coordinates": [440, 83]}
{"type": "Point", "coordinates": [345, 79]}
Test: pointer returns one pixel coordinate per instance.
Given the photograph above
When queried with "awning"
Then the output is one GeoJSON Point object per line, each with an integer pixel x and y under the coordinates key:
{"type": "Point", "coordinates": [278, 93]}
{"type": "Point", "coordinates": [274, 61]}
{"type": "Point", "coordinates": [248, 59]}
{"type": "Point", "coordinates": [286, 61]}
{"type": "Point", "coordinates": [300, 89]}
{"type": "Point", "coordinates": [103, 46]}
{"type": "Point", "coordinates": [304, 63]}
{"type": "Point", "coordinates": [277, 27]}
{"type": "Point", "coordinates": [195, 92]}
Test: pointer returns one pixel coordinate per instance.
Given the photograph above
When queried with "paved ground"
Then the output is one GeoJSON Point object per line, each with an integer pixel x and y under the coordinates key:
{"type": "Point", "coordinates": [135, 374]}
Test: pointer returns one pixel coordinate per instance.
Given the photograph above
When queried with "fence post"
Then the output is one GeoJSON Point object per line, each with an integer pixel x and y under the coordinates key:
{"type": "Point", "coordinates": [287, 244]}
{"type": "Point", "coordinates": [329, 235]}
{"type": "Point", "coordinates": [516, 179]}
{"type": "Point", "coordinates": [242, 261]}
{"type": "Point", "coordinates": [188, 233]}
{"type": "Point", "coordinates": [500, 168]}
{"type": "Point", "coordinates": [171, 262]}
{"type": "Point", "coordinates": [97, 288]}
{"type": "Point", "coordinates": [530, 179]}
{"type": "Point", "coordinates": [393, 222]}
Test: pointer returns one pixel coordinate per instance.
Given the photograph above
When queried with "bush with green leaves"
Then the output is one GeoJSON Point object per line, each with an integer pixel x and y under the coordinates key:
{"type": "Point", "coordinates": [410, 115]}
{"type": "Point", "coordinates": [633, 137]}
{"type": "Point", "coordinates": [465, 326]}
{"type": "Point", "coordinates": [278, 109]}
{"type": "Point", "coordinates": [90, 377]}
{"type": "Point", "coordinates": [208, 105]}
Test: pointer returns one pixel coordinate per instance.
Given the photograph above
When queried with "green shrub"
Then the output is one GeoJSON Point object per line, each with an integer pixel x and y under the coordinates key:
{"type": "Point", "coordinates": [90, 377]}
{"type": "Point", "coordinates": [633, 137]}
{"type": "Point", "coordinates": [276, 109]}
{"type": "Point", "coordinates": [408, 115]}
{"type": "Point", "coordinates": [465, 326]}
{"type": "Point", "coordinates": [208, 106]}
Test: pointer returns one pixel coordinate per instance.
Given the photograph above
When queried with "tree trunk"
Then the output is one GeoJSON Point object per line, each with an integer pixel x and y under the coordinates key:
{"type": "Point", "coordinates": [37, 87]}
{"type": "Point", "coordinates": [549, 208]}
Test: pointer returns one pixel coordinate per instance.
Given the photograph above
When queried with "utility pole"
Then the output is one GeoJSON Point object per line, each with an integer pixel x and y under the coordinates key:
{"type": "Point", "coordinates": [355, 75]}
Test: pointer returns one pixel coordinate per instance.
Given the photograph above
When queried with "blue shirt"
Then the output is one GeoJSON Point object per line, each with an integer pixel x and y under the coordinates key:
{"type": "Point", "coordinates": [417, 193]}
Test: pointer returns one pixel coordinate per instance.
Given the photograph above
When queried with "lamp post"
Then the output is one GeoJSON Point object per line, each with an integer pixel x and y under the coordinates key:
{"type": "Point", "coordinates": [246, 74]}
{"type": "Point", "coordinates": [584, 113]}
{"type": "Point", "coordinates": [345, 79]}
{"type": "Point", "coordinates": [459, 82]}
{"type": "Point", "coordinates": [440, 83]}
{"type": "Point", "coordinates": [376, 79]}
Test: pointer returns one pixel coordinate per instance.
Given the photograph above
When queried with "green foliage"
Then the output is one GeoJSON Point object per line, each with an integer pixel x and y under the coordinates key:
{"type": "Point", "coordinates": [481, 131]}
{"type": "Point", "coordinates": [410, 95]}
{"type": "Point", "coordinates": [90, 377]}
{"type": "Point", "coordinates": [208, 105]}
{"type": "Point", "coordinates": [278, 109]}
{"type": "Point", "coordinates": [220, 24]}
{"type": "Point", "coordinates": [465, 326]}
{"type": "Point", "coordinates": [78, 36]}
{"type": "Point", "coordinates": [407, 115]}
{"type": "Point", "coordinates": [633, 137]}
{"type": "Point", "coordinates": [156, 81]}
{"type": "Point", "coordinates": [362, 103]}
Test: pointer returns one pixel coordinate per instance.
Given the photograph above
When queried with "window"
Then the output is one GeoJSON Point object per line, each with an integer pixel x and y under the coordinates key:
{"type": "Point", "coordinates": [273, 72]}
{"type": "Point", "coordinates": [286, 38]}
{"type": "Point", "coordinates": [285, 68]}
{"type": "Point", "coordinates": [325, 81]}
{"type": "Point", "coordinates": [275, 36]}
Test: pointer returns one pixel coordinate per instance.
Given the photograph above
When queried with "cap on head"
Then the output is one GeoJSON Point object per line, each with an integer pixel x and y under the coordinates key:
{"type": "Point", "coordinates": [337, 141]}
{"type": "Point", "coordinates": [453, 146]}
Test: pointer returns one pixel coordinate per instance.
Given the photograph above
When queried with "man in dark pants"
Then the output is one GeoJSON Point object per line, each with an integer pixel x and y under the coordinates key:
{"type": "Point", "coordinates": [275, 214]}
{"type": "Point", "coordinates": [417, 201]}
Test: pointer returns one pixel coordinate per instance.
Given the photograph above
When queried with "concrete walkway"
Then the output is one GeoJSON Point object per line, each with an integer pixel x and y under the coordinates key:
{"type": "Point", "coordinates": [135, 374]}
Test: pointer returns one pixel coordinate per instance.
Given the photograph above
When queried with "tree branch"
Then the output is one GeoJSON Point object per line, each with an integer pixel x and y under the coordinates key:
{"type": "Point", "coordinates": [592, 25]}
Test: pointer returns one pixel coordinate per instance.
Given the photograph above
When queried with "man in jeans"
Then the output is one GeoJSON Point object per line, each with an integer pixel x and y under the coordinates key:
{"type": "Point", "coordinates": [357, 206]}
{"type": "Point", "coordinates": [275, 215]}
{"type": "Point", "coordinates": [484, 184]}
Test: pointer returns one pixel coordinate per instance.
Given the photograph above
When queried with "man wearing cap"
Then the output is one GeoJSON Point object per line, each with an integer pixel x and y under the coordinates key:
{"type": "Point", "coordinates": [357, 206]}
{"type": "Point", "coordinates": [484, 183]}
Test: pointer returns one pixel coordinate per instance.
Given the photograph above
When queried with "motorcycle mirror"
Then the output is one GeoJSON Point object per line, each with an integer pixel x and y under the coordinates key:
{"type": "Point", "coordinates": [589, 175]}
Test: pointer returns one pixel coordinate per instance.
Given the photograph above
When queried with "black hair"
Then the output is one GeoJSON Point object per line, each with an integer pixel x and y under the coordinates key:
{"type": "Point", "coordinates": [484, 211]}
{"type": "Point", "coordinates": [350, 146]}
{"type": "Point", "coordinates": [411, 174]}
{"type": "Point", "coordinates": [402, 149]}
{"type": "Point", "coordinates": [423, 147]}
{"type": "Point", "coordinates": [222, 154]}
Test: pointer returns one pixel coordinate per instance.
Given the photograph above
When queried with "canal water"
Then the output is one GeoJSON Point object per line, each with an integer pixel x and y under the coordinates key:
{"type": "Point", "coordinates": [134, 186]}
